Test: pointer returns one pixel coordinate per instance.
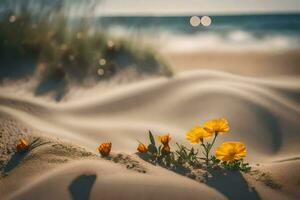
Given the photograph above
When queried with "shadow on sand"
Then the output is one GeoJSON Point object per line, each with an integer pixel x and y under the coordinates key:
{"type": "Point", "coordinates": [231, 184]}
{"type": "Point", "coordinates": [81, 186]}
{"type": "Point", "coordinates": [58, 88]}
{"type": "Point", "coordinates": [14, 161]}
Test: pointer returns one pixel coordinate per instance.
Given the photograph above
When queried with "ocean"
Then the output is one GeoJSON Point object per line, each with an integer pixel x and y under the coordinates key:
{"type": "Point", "coordinates": [270, 32]}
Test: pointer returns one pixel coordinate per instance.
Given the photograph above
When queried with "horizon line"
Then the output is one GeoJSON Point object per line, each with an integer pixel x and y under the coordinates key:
{"type": "Point", "coordinates": [150, 14]}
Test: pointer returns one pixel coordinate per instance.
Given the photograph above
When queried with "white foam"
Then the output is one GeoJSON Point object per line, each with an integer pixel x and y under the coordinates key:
{"type": "Point", "coordinates": [236, 40]}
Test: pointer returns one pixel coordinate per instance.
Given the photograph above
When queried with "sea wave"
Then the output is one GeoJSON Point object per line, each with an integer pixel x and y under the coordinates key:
{"type": "Point", "coordinates": [235, 40]}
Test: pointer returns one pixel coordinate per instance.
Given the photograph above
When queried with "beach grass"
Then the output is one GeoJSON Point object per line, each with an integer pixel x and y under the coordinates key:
{"type": "Point", "coordinates": [69, 50]}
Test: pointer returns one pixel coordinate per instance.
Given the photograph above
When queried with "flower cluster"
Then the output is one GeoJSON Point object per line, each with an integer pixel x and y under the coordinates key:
{"type": "Point", "coordinates": [228, 155]}
{"type": "Point", "coordinates": [211, 128]}
{"type": "Point", "coordinates": [157, 154]}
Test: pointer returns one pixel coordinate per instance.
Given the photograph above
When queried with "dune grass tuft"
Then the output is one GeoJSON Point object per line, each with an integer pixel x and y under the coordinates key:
{"type": "Point", "coordinates": [71, 50]}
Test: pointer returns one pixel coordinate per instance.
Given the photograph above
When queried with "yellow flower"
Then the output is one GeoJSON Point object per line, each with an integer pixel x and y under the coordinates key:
{"type": "Point", "coordinates": [165, 139]}
{"type": "Point", "coordinates": [229, 151]}
{"type": "Point", "coordinates": [142, 148]}
{"type": "Point", "coordinates": [104, 148]}
{"type": "Point", "coordinates": [196, 134]}
{"type": "Point", "coordinates": [22, 145]}
{"type": "Point", "coordinates": [217, 126]}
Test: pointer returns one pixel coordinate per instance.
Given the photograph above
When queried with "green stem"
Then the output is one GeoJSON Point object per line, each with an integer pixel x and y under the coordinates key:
{"type": "Point", "coordinates": [208, 147]}
{"type": "Point", "coordinates": [212, 144]}
{"type": "Point", "coordinates": [206, 153]}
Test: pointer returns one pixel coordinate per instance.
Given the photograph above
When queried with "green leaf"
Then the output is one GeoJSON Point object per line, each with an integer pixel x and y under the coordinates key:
{"type": "Point", "coordinates": [38, 144]}
{"type": "Point", "coordinates": [184, 152]}
{"type": "Point", "coordinates": [152, 148]}
{"type": "Point", "coordinates": [152, 140]}
{"type": "Point", "coordinates": [192, 151]}
{"type": "Point", "coordinates": [34, 141]}
{"type": "Point", "coordinates": [159, 150]}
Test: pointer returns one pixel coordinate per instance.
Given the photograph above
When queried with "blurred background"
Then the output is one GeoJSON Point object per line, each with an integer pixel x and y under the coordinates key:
{"type": "Point", "coordinates": [60, 43]}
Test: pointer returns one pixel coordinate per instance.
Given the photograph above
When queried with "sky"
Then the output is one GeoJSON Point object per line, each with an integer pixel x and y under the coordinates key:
{"type": "Point", "coordinates": [187, 7]}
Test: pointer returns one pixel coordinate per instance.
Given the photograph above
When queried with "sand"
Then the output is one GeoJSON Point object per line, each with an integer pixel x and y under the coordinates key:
{"type": "Point", "coordinates": [263, 112]}
{"type": "Point", "coordinates": [247, 63]}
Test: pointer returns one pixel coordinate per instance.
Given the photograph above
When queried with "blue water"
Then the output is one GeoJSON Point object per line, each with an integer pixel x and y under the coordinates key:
{"type": "Point", "coordinates": [288, 23]}
{"type": "Point", "coordinates": [282, 30]}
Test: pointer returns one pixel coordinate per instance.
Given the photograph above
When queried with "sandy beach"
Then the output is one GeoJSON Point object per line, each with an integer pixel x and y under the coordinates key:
{"type": "Point", "coordinates": [140, 100]}
{"type": "Point", "coordinates": [263, 112]}
{"type": "Point", "coordinates": [251, 63]}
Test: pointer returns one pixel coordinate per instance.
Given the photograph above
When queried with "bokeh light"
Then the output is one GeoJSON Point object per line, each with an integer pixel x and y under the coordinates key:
{"type": "Point", "coordinates": [12, 19]}
{"type": "Point", "coordinates": [100, 72]}
{"type": "Point", "coordinates": [206, 21]}
{"type": "Point", "coordinates": [195, 21]}
{"type": "Point", "coordinates": [110, 44]}
{"type": "Point", "coordinates": [102, 62]}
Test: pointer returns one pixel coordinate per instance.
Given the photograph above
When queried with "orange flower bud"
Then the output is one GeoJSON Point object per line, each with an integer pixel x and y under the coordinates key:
{"type": "Point", "coordinates": [104, 148]}
{"type": "Point", "coordinates": [165, 139]}
{"type": "Point", "coordinates": [142, 148]}
{"type": "Point", "coordinates": [22, 145]}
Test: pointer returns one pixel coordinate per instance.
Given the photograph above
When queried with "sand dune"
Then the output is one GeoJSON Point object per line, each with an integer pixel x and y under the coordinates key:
{"type": "Point", "coordinates": [264, 114]}
{"type": "Point", "coordinates": [265, 109]}
{"type": "Point", "coordinates": [114, 182]}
